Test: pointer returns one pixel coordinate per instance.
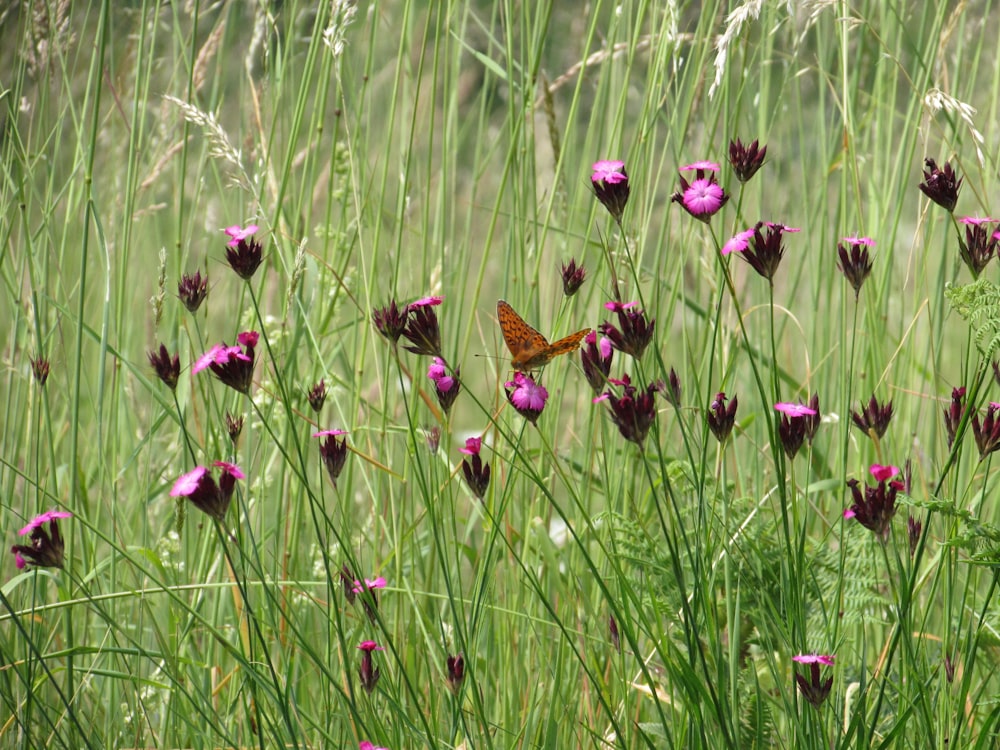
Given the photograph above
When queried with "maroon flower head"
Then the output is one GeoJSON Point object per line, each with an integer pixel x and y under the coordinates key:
{"type": "Point", "coordinates": [201, 489]}
{"type": "Point", "coordinates": [721, 418]}
{"type": "Point", "coordinates": [610, 183]}
{"type": "Point", "coordinates": [953, 414]}
{"type": "Point", "coordinates": [814, 689]}
{"type": "Point", "coordinates": [980, 243]}
{"type": "Point", "coordinates": [192, 290]}
{"type": "Point", "coordinates": [855, 262]}
{"type": "Point", "coordinates": [913, 529]}
{"type": "Point", "coordinates": [988, 433]}
{"type": "Point", "coordinates": [243, 252]}
{"type": "Point", "coordinates": [875, 507]}
{"type": "Point", "coordinates": [477, 473]}
{"type": "Point", "coordinates": [317, 396]}
{"type": "Point", "coordinates": [703, 197]}
{"type": "Point", "coordinates": [746, 160]}
{"type": "Point", "coordinates": [456, 672]}
{"type": "Point", "coordinates": [941, 185]}
{"type": "Point", "coordinates": [433, 436]}
{"type": "Point", "coordinates": [635, 333]}
{"type": "Point", "coordinates": [874, 418]}
{"type": "Point", "coordinates": [234, 426]}
{"type": "Point", "coordinates": [793, 427]}
{"type": "Point", "coordinates": [422, 331]}
{"type": "Point", "coordinates": [47, 546]}
{"type": "Point", "coordinates": [526, 396]}
{"type": "Point", "coordinates": [232, 365]}
{"type": "Point", "coordinates": [595, 356]}
{"type": "Point", "coordinates": [446, 386]}
{"type": "Point", "coordinates": [367, 672]}
{"type": "Point", "coordinates": [672, 391]}
{"type": "Point", "coordinates": [812, 421]}
{"type": "Point", "coordinates": [168, 369]}
{"type": "Point", "coordinates": [333, 452]}
{"type": "Point", "coordinates": [40, 369]}
{"type": "Point", "coordinates": [634, 411]}
{"type": "Point", "coordinates": [616, 640]}
{"type": "Point", "coordinates": [390, 320]}
{"type": "Point", "coordinates": [572, 277]}
{"type": "Point", "coordinates": [766, 248]}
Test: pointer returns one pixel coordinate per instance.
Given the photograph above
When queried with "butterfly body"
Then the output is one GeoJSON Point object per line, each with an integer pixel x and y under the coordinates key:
{"type": "Point", "coordinates": [528, 348]}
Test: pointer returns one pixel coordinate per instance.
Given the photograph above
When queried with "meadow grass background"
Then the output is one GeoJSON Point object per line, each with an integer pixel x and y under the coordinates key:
{"type": "Point", "coordinates": [398, 149]}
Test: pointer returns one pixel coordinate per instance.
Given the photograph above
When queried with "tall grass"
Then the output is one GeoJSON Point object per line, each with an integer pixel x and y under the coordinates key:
{"type": "Point", "coordinates": [603, 592]}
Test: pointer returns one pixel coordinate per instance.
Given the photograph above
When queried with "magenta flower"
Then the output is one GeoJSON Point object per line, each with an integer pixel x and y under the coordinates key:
{"type": "Point", "coordinates": [369, 597]}
{"type": "Point", "coordinates": [766, 249]}
{"type": "Point", "coordinates": [596, 360]}
{"type": "Point", "coordinates": [634, 411]}
{"type": "Point", "coordinates": [610, 183]}
{"type": "Point", "coordinates": [201, 489]}
{"type": "Point", "coordinates": [47, 546]}
{"type": "Point", "coordinates": [526, 396]}
{"type": "Point", "coordinates": [366, 745]}
{"type": "Point", "coordinates": [941, 185]}
{"type": "Point", "coordinates": [367, 672]}
{"type": "Point", "coordinates": [243, 252]}
{"type": "Point", "coordinates": [815, 689]}
{"type": "Point", "coordinates": [424, 302]}
{"type": "Point", "coordinates": [422, 329]}
{"type": "Point", "coordinates": [875, 507]}
{"type": "Point", "coordinates": [794, 410]}
{"type": "Point", "coordinates": [703, 197]}
{"type": "Point", "coordinates": [472, 446]}
{"type": "Point", "coordinates": [333, 452]}
{"type": "Point", "coordinates": [237, 233]}
{"type": "Point", "coordinates": [378, 583]}
{"type": "Point", "coordinates": [634, 333]}
{"type": "Point", "coordinates": [883, 473]}
{"type": "Point", "coordinates": [475, 471]}
{"type": "Point", "coordinates": [720, 417]}
{"type": "Point", "coordinates": [980, 244]}
{"type": "Point", "coordinates": [231, 364]}
{"type": "Point", "coordinates": [739, 242]}
{"type": "Point", "coordinates": [855, 262]}
{"type": "Point", "coordinates": [446, 387]}
{"type": "Point", "coordinates": [609, 171]}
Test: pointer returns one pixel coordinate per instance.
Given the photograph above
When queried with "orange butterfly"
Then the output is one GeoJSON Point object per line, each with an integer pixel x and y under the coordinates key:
{"type": "Point", "coordinates": [529, 349]}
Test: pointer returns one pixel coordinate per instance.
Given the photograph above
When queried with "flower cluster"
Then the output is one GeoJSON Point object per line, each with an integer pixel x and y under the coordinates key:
{"type": "Point", "coordinates": [815, 690]}
{"type": "Point", "coordinates": [980, 244]}
{"type": "Point", "coordinates": [703, 197]}
{"type": "Point", "coordinates": [446, 386]}
{"type": "Point", "coordinates": [595, 357]}
{"type": "Point", "coordinates": [527, 396]}
{"type": "Point", "coordinates": [635, 332]}
{"type": "Point", "coordinates": [477, 473]}
{"type": "Point", "coordinates": [243, 252]}
{"type": "Point", "coordinates": [610, 183]}
{"type": "Point", "coordinates": [854, 261]}
{"type": "Point", "coordinates": [797, 423]}
{"type": "Point", "coordinates": [875, 507]}
{"type": "Point", "coordinates": [333, 451]}
{"type": "Point", "coordinates": [720, 417]}
{"type": "Point", "coordinates": [634, 411]}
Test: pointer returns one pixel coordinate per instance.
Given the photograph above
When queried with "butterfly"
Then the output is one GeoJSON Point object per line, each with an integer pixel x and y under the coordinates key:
{"type": "Point", "coordinates": [529, 349]}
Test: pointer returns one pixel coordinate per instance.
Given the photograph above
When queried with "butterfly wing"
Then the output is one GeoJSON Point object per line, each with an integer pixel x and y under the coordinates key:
{"type": "Point", "coordinates": [523, 341]}
{"type": "Point", "coordinates": [568, 344]}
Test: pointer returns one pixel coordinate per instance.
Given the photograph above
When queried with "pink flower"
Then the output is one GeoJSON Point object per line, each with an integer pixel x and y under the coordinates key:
{"type": "Point", "coordinates": [439, 374]}
{"type": "Point", "coordinates": [334, 433]}
{"type": "Point", "coordinates": [883, 473]}
{"type": "Point", "coordinates": [703, 165]}
{"type": "Point", "coordinates": [527, 394]}
{"type": "Point", "coordinates": [237, 233]}
{"type": "Point", "coordinates": [815, 659]}
{"type": "Point", "coordinates": [975, 220]}
{"type": "Point", "coordinates": [794, 410]}
{"type": "Point", "coordinates": [781, 227]}
{"type": "Point", "coordinates": [703, 198]}
{"type": "Point", "coordinates": [248, 338]}
{"type": "Point", "coordinates": [42, 519]}
{"type": "Point", "coordinates": [608, 171]}
{"type": "Point", "coordinates": [366, 745]}
{"type": "Point", "coordinates": [369, 646]}
{"type": "Point", "coordinates": [378, 583]}
{"type": "Point", "coordinates": [233, 469]}
{"type": "Point", "coordinates": [856, 241]}
{"type": "Point", "coordinates": [188, 483]}
{"type": "Point", "coordinates": [425, 302]}
{"type": "Point", "coordinates": [618, 306]}
{"type": "Point", "coordinates": [738, 243]}
{"type": "Point", "coordinates": [472, 446]}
